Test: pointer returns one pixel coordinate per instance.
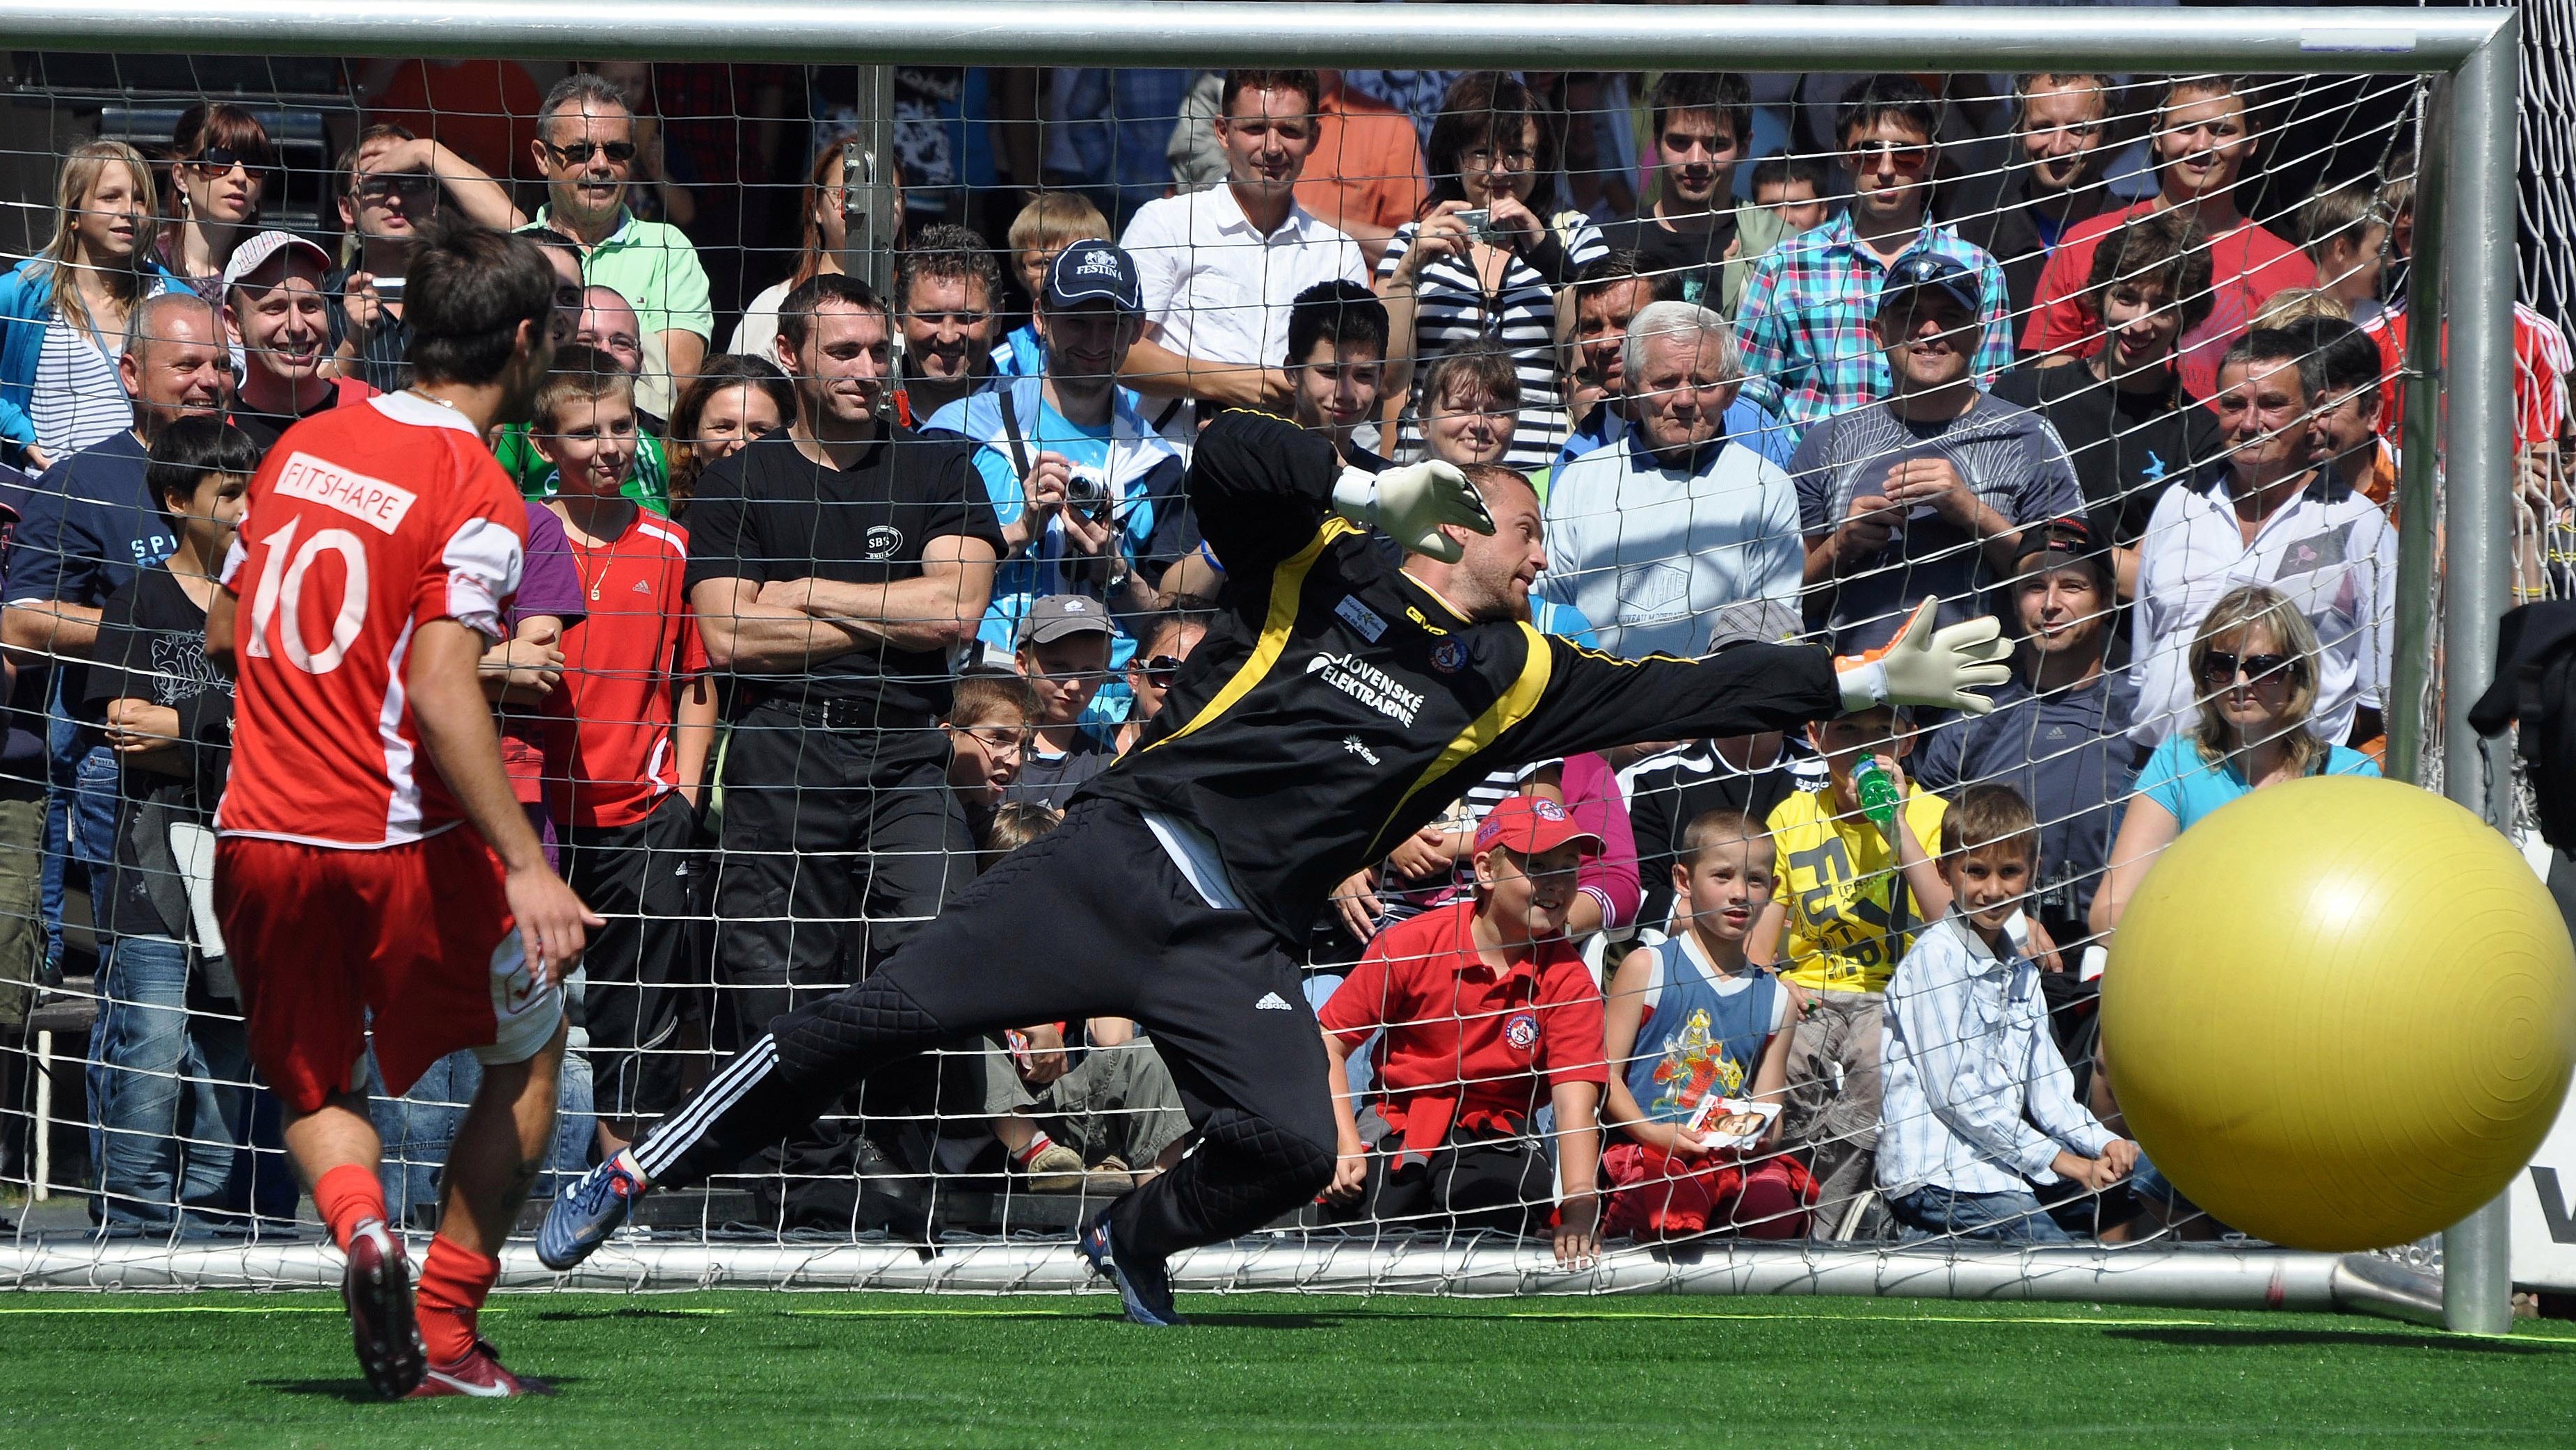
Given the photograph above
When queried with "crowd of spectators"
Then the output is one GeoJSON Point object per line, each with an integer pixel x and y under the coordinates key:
{"type": "Point", "coordinates": [815, 629]}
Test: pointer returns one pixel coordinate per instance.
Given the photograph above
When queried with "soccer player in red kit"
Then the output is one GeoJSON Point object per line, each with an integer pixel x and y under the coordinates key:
{"type": "Point", "coordinates": [381, 543]}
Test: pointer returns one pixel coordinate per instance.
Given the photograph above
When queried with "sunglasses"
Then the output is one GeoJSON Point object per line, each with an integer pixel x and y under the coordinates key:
{"type": "Point", "coordinates": [1910, 157]}
{"type": "Point", "coordinates": [2220, 669]}
{"type": "Point", "coordinates": [220, 160]}
{"type": "Point", "coordinates": [580, 152]}
{"type": "Point", "coordinates": [1161, 668]}
{"type": "Point", "coordinates": [410, 185]}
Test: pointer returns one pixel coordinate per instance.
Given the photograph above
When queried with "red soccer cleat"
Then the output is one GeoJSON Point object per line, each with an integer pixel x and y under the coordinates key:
{"type": "Point", "coordinates": [376, 1287]}
{"type": "Point", "coordinates": [479, 1373]}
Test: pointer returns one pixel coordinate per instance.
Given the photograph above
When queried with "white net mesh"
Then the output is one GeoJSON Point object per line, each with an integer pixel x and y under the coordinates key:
{"type": "Point", "coordinates": [1982, 340]}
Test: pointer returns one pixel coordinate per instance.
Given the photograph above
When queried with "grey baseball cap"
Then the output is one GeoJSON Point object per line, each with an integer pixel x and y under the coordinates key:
{"type": "Point", "coordinates": [1754, 621]}
{"type": "Point", "coordinates": [1057, 615]}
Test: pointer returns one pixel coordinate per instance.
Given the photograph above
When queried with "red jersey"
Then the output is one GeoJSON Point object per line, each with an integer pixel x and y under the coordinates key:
{"type": "Point", "coordinates": [363, 523]}
{"type": "Point", "coordinates": [636, 637]}
{"type": "Point", "coordinates": [2540, 367]}
{"type": "Point", "coordinates": [1463, 1044]}
{"type": "Point", "coordinates": [2247, 266]}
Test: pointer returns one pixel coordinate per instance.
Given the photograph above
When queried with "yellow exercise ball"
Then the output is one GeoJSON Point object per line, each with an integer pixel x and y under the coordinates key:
{"type": "Point", "coordinates": [2340, 1013]}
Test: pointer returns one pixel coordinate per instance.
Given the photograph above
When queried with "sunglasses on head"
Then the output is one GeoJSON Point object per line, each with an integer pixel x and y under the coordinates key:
{"type": "Point", "coordinates": [579, 152]}
{"type": "Point", "coordinates": [2221, 668]}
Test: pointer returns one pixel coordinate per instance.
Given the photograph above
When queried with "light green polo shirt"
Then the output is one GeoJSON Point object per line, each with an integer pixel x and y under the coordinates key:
{"type": "Point", "coordinates": [654, 266]}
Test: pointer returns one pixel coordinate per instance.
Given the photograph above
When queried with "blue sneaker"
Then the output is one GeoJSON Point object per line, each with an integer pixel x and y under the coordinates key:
{"type": "Point", "coordinates": [1144, 1288]}
{"type": "Point", "coordinates": [583, 1216]}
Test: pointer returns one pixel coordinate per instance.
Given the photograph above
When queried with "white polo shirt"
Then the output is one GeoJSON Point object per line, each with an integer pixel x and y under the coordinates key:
{"type": "Point", "coordinates": [1649, 554]}
{"type": "Point", "coordinates": [1219, 289]}
{"type": "Point", "coordinates": [2330, 550]}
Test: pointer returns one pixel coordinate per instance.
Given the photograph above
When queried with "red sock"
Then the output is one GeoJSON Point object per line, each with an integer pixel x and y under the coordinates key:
{"type": "Point", "coordinates": [453, 1282]}
{"type": "Point", "coordinates": [347, 1196]}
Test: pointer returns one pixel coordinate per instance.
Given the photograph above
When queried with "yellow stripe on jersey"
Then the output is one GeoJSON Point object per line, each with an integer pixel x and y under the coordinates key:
{"type": "Point", "coordinates": [1287, 591]}
{"type": "Point", "coordinates": [1510, 709]}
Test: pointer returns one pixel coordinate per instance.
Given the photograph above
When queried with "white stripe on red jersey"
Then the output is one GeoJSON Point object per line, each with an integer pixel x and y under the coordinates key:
{"type": "Point", "coordinates": [363, 524]}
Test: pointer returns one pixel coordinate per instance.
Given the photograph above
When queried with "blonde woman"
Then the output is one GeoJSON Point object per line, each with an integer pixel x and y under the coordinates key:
{"type": "Point", "coordinates": [63, 311]}
{"type": "Point", "coordinates": [2254, 668]}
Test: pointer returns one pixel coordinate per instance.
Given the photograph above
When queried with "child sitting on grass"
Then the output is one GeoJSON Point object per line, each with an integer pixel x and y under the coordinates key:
{"type": "Point", "coordinates": [1691, 1020]}
{"type": "Point", "coordinates": [1978, 1106]}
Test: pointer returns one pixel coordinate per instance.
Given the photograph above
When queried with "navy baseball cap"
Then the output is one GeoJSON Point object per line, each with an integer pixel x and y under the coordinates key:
{"type": "Point", "coordinates": [1918, 270]}
{"type": "Point", "coordinates": [1092, 272]}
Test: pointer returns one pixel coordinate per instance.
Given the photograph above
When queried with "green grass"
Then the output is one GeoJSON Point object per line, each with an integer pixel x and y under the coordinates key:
{"type": "Point", "coordinates": [724, 1370]}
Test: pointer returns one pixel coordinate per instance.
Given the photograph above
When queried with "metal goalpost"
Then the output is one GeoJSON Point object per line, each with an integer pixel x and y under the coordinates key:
{"type": "Point", "coordinates": [2464, 275]}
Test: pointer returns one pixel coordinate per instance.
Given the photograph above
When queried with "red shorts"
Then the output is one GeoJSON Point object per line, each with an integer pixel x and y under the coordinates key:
{"type": "Point", "coordinates": [416, 937]}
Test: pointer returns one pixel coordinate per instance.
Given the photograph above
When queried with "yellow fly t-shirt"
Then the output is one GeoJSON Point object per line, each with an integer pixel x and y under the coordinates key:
{"type": "Point", "coordinates": [1838, 880]}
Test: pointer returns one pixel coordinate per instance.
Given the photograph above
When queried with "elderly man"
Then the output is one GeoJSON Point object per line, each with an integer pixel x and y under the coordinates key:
{"type": "Point", "coordinates": [585, 148]}
{"type": "Point", "coordinates": [1926, 492]}
{"type": "Point", "coordinates": [1608, 295]}
{"type": "Point", "coordinates": [1221, 268]}
{"type": "Point", "coordinates": [2051, 179]}
{"type": "Point", "coordinates": [1656, 533]}
{"type": "Point", "coordinates": [89, 525]}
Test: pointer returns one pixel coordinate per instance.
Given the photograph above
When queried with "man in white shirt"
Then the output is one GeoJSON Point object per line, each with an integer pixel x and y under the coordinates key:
{"type": "Point", "coordinates": [1221, 267]}
{"type": "Point", "coordinates": [1651, 536]}
{"type": "Point", "coordinates": [2313, 537]}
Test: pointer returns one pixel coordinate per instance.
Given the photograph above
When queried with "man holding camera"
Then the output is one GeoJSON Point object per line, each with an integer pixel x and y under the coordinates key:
{"type": "Point", "coordinates": [1088, 494]}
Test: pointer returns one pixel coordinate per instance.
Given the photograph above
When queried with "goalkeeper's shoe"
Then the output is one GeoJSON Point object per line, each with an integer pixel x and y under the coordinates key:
{"type": "Point", "coordinates": [1143, 1286]}
{"type": "Point", "coordinates": [479, 1373]}
{"type": "Point", "coordinates": [376, 1285]}
{"type": "Point", "coordinates": [587, 1211]}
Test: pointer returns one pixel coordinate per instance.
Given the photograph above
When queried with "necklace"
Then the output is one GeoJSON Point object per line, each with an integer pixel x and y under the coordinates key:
{"type": "Point", "coordinates": [426, 398]}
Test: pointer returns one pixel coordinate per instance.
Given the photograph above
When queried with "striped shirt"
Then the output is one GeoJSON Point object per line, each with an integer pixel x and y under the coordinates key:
{"type": "Point", "coordinates": [1452, 309]}
{"type": "Point", "coordinates": [1804, 323]}
{"type": "Point", "coordinates": [78, 399]}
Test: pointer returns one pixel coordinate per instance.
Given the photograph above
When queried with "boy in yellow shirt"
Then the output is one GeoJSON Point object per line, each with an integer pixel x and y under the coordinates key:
{"type": "Point", "coordinates": [1848, 899]}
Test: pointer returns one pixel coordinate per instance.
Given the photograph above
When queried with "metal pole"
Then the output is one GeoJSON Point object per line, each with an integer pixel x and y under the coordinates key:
{"type": "Point", "coordinates": [2477, 1263]}
{"type": "Point", "coordinates": [2420, 436]}
{"type": "Point", "coordinates": [1211, 32]}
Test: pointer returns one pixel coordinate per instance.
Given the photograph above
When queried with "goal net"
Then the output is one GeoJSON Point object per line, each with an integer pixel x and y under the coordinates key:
{"type": "Point", "coordinates": [2119, 357]}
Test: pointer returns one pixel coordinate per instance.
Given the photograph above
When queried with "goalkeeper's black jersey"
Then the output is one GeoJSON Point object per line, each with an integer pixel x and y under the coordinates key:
{"type": "Point", "coordinates": [1339, 705]}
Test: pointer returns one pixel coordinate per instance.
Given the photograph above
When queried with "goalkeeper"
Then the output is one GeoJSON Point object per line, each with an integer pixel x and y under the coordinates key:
{"type": "Point", "coordinates": [1338, 706]}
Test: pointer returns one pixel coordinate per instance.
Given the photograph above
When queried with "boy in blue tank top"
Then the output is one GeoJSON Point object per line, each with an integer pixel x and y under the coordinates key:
{"type": "Point", "coordinates": [1690, 1020]}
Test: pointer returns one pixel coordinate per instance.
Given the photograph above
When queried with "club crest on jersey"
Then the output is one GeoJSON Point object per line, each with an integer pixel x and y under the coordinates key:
{"type": "Point", "coordinates": [882, 541]}
{"type": "Point", "coordinates": [1449, 656]}
{"type": "Point", "coordinates": [1521, 1031]}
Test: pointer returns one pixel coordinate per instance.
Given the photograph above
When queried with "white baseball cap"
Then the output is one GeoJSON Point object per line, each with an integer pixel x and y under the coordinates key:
{"type": "Point", "coordinates": [253, 254]}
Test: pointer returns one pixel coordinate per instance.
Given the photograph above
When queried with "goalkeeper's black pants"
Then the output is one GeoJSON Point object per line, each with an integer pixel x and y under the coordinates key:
{"type": "Point", "coordinates": [1093, 919]}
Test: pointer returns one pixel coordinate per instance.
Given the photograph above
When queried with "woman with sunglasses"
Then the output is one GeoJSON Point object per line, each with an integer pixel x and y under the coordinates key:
{"type": "Point", "coordinates": [1151, 670]}
{"type": "Point", "coordinates": [2254, 665]}
{"type": "Point", "coordinates": [63, 311]}
{"type": "Point", "coordinates": [827, 238]}
{"type": "Point", "coordinates": [1457, 278]}
{"type": "Point", "coordinates": [221, 165]}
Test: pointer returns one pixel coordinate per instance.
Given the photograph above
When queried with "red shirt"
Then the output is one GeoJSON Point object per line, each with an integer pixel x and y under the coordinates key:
{"type": "Point", "coordinates": [2247, 266]}
{"type": "Point", "coordinates": [2540, 367]}
{"type": "Point", "coordinates": [620, 661]}
{"type": "Point", "coordinates": [1462, 1043]}
{"type": "Point", "coordinates": [364, 523]}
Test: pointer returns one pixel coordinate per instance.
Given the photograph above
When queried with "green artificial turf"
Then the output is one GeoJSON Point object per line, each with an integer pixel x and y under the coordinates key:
{"type": "Point", "coordinates": [724, 1370]}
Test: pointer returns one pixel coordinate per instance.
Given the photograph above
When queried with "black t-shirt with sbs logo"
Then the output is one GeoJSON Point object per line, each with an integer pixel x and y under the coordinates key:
{"type": "Point", "coordinates": [770, 513]}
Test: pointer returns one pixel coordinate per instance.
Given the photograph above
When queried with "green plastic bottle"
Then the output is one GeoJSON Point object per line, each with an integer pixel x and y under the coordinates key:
{"type": "Point", "coordinates": [1879, 797]}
